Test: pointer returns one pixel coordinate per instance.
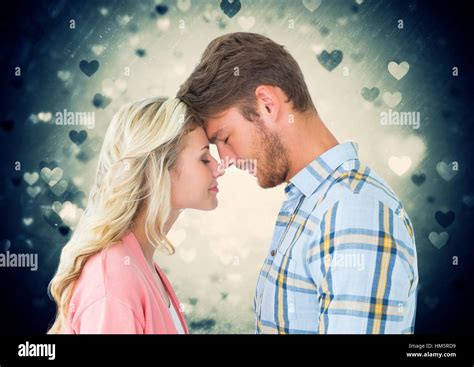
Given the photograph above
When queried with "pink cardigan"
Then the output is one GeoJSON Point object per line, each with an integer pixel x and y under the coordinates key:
{"type": "Point", "coordinates": [117, 294]}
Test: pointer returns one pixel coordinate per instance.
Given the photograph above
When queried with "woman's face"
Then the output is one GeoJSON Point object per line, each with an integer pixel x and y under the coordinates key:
{"type": "Point", "coordinates": [194, 177]}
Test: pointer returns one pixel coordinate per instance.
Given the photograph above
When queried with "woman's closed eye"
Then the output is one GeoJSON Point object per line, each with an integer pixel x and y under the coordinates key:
{"type": "Point", "coordinates": [205, 160]}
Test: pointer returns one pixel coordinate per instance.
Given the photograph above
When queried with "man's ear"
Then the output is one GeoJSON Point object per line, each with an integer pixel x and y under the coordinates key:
{"type": "Point", "coordinates": [268, 104]}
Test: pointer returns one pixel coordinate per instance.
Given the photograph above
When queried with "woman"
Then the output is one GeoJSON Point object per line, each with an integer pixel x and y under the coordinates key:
{"type": "Point", "coordinates": [153, 164]}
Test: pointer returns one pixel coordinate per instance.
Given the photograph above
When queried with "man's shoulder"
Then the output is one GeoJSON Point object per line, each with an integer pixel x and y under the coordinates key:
{"type": "Point", "coordinates": [356, 185]}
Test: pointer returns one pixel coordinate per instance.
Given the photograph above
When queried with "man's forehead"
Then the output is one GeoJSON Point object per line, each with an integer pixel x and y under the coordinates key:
{"type": "Point", "coordinates": [216, 124]}
{"type": "Point", "coordinates": [213, 130]}
{"type": "Point", "coordinates": [225, 120]}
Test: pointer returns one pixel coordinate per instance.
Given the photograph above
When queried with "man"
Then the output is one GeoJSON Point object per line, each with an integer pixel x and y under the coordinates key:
{"type": "Point", "coordinates": [342, 257]}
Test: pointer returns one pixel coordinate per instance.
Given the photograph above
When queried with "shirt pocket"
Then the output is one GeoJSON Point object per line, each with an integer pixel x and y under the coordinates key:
{"type": "Point", "coordinates": [282, 295]}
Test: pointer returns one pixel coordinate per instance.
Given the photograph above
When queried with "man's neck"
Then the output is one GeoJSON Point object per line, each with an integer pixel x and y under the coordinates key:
{"type": "Point", "coordinates": [308, 140]}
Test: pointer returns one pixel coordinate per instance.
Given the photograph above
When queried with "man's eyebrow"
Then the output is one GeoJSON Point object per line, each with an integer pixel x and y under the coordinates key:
{"type": "Point", "coordinates": [214, 136]}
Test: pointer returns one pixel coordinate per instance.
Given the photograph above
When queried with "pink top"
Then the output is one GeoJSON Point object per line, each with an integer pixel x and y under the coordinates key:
{"type": "Point", "coordinates": [116, 293]}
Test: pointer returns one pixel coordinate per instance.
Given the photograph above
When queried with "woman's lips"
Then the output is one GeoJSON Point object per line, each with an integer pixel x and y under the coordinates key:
{"type": "Point", "coordinates": [214, 189]}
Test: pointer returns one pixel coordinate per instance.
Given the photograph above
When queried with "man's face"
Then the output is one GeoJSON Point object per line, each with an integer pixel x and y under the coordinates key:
{"type": "Point", "coordinates": [250, 146]}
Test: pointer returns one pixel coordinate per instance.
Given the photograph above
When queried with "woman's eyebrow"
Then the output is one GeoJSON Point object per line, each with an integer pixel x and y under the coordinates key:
{"type": "Point", "coordinates": [206, 147]}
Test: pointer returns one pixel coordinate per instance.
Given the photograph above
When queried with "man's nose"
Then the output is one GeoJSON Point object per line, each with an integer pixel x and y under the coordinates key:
{"type": "Point", "coordinates": [217, 169]}
{"type": "Point", "coordinates": [227, 156]}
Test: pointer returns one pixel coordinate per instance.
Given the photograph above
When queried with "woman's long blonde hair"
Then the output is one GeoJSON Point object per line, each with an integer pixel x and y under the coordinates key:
{"type": "Point", "coordinates": [140, 147]}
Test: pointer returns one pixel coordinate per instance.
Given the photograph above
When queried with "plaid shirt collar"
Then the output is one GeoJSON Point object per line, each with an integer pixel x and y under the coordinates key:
{"type": "Point", "coordinates": [308, 180]}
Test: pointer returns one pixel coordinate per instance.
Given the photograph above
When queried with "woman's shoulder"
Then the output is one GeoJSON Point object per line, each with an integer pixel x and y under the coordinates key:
{"type": "Point", "coordinates": [112, 272]}
{"type": "Point", "coordinates": [108, 291]}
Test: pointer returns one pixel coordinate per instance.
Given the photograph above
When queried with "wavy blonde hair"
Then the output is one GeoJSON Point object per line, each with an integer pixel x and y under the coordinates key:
{"type": "Point", "coordinates": [141, 145]}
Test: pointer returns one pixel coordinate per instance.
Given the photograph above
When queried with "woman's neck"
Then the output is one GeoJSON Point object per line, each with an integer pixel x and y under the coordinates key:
{"type": "Point", "coordinates": [139, 232]}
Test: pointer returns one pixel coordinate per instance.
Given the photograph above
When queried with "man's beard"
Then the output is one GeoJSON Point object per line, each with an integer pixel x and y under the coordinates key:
{"type": "Point", "coordinates": [271, 157]}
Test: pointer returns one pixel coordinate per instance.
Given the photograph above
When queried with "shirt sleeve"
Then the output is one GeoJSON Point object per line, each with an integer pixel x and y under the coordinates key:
{"type": "Point", "coordinates": [363, 265]}
{"type": "Point", "coordinates": [107, 316]}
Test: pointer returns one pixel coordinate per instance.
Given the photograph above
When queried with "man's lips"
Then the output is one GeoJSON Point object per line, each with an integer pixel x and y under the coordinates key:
{"type": "Point", "coordinates": [247, 165]}
{"type": "Point", "coordinates": [214, 189]}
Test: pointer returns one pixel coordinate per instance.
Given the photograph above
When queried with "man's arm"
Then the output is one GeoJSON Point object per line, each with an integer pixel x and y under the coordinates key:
{"type": "Point", "coordinates": [364, 264]}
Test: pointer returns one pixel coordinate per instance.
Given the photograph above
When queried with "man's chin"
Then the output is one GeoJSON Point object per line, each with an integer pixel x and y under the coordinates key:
{"type": "Point", "coordinates": [265, 183]}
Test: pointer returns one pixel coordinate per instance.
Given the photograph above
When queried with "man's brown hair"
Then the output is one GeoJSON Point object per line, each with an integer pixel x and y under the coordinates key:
{"type": "Point", "coordinates": [231, 68]}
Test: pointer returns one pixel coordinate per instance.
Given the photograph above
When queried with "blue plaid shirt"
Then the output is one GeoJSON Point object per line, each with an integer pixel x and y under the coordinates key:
{"type": "Point", "coordinates": [347, 263]}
